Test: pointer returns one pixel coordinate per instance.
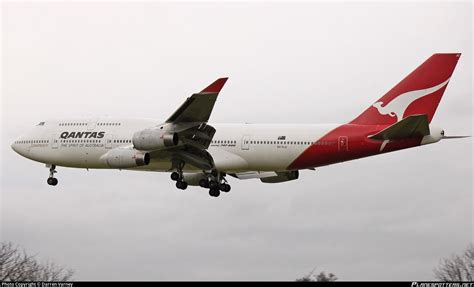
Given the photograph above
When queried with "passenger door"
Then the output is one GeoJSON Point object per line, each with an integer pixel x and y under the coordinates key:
{"type": "Point", "coordinates": [54, 141]}
{"type": "Point", "coordinates": [342, 144]}
{"type": "Point", "coordinates": [91, 125]}
{"type": "Point", "coordinates": [245, 142]}
{"type": "Point", "coordinates": [108, 141]}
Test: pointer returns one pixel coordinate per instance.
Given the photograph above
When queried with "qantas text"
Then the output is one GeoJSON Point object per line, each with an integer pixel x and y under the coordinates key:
{"type": "Point", "coordinates": [80, 135]}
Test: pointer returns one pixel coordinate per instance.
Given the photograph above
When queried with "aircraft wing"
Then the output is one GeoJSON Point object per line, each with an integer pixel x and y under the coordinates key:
{"type": "Point", "coordinates": [198, 107]}
{"type": "Point", "coordinates": [189, 122]}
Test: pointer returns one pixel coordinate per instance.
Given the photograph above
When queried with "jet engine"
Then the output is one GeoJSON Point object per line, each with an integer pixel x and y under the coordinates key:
{"type": "Point", "coordinates": [154, 139]}
{"type": "Point", "coordinates": [126, 158]}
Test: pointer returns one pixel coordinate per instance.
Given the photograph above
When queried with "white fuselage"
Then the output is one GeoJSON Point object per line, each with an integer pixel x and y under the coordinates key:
{"type": "Point", "coordinates": [82, 143]}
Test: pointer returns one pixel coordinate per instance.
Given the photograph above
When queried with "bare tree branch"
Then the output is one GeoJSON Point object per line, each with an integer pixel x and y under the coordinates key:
{"type": "Point", "coordinates": [457, 268]}
{"type": "Point", "coordinates": [16, 265]}
{"type": "Point", "coordinates": [321, 277]}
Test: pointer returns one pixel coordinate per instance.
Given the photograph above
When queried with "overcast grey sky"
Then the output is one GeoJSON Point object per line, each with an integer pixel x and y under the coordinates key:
{"type": "Point", "coordinates": [389, 217]}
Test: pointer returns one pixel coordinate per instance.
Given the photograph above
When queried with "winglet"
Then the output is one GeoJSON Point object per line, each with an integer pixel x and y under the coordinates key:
{"type": "Point", "coordinates": [215, 87]}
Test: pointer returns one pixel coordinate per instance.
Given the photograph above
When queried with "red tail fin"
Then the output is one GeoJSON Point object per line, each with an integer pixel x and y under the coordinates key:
{"type": "Point", "coordinates": [419, 93]}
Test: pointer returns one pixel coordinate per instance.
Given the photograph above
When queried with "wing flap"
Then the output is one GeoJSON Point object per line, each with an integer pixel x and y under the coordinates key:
{"type": "Point", "coordinates": [268, 176]}
{"type": "Point", "coordinates": [254, 174]}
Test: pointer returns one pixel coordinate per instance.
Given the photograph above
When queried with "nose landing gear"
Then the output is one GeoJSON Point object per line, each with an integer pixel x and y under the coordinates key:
{"type": "Point", "coordinates": [51, 179]}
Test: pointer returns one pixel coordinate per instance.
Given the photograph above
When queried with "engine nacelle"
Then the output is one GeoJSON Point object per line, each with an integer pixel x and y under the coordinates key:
{"type": "Point", "coordinates": [154, 139]}
{"type": "Point", "coordinates": [126, 158]}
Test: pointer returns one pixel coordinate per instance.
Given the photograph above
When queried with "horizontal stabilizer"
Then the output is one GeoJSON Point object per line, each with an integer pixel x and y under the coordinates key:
{"type": "Point", "coordinates": [454, 137]}
{"type": "Point", "coordinates": [409, 127]}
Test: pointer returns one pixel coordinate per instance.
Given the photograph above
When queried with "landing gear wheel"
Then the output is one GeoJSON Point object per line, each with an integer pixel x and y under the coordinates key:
{"type": "Point", "coordinates": [214, 192]}
{"type": "Point", "coordinates": [181, 185]}
{"type": "Point", "coordinates": [213, 185]}
{"type": "Point", "coordinates": [175, 176]}
{"type": "Point", "coordinates": [224, 187]}
{"type": "Point", "coordinates": [204, 183]}
{"type": "Point", "coordinates": [52, 181]}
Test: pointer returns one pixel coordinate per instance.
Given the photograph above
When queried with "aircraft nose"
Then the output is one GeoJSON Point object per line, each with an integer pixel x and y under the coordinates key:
{"type": "Point", "coordinates": [15, 147]}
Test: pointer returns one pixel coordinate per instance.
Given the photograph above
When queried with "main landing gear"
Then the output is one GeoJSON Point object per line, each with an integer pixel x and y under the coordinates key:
{"type": "Point", "coordinates": [180, 183]}
{"type": "Point", "coordinates": [178, 177]}
{"type": "Point", "coordinates": [216, 183]}
{"type": "Point", "coordinates": [51, 179]}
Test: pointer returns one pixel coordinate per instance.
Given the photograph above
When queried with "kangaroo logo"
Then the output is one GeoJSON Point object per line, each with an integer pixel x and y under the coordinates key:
{"type": "Point", "coordinates": [398, 106]}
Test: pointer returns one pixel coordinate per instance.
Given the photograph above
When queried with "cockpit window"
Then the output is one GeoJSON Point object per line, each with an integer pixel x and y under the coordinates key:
{"type": "Point", "coordinates": [40, 124]}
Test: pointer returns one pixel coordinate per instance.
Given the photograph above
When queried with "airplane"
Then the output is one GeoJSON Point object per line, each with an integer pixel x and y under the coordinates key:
{"type": "Point", "coordinates": [198, 153]}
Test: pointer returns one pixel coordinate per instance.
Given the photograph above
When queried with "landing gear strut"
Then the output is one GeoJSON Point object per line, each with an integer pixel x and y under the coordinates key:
{"type": "Point", "coordinates": [178, 177]}
{"type": "Point", "coordinates": [216, 183]}
{"type": "Point", "coordinates": [51, 179]}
